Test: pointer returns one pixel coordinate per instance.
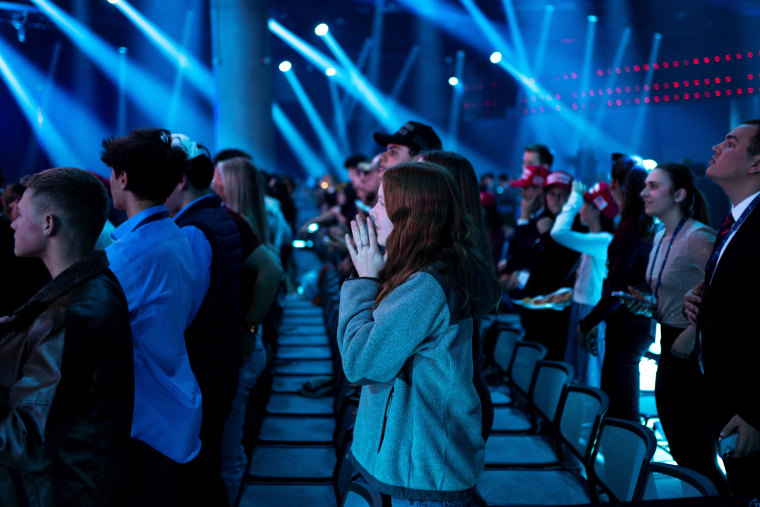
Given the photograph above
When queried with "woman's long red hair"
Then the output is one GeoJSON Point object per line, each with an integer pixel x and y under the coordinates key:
{"type": "Point", "coordinates": [431, 229]}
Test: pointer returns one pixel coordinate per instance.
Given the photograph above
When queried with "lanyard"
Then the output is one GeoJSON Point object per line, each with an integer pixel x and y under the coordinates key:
{"type": "Point", "coordinates": [158, 216]}
{"type": "Point", "coordinates": [667, 254]}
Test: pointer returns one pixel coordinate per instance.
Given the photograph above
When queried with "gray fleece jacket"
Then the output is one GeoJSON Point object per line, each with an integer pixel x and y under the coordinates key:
{"type": "Point", "coordinates": [418, 430]}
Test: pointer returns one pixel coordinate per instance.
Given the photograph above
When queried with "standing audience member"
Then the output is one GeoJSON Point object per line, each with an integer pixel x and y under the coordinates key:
{"type": "Point", "coordinates": [412, 138]}
{"type": "Point", "coordinates": [22, 277]}
{"type": "Point", "coordinates": [155, 265]}
{"type": "Point", "coordinates": [726, 341]}
{"type": "Point", "coordinates": [676, 264]}
{"type": "Point", "coordinates": [462, 172]}
{"type": "Point", "coordinates": [628, 336]}
{"type": "Point", "coordinates": [531, 185]}
{"type": "Point", "coordinates": [404, 333]}
{"type": "Point", "coordinates": [597, 210]}
{"type": "Point", "coordinates": [236, 183]}
{"type": "Point", "coordinates": [550, 267]}
{"type": "Point", "coordinates": [66, 387]}
{"type": "Point", "coordinates": [213, 337]}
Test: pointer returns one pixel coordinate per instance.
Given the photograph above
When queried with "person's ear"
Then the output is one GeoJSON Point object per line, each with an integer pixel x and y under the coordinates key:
{"type": "Point", "coordinates": [183, 183]}
{"type": "Point", "coordinates": [680, 194]}
{"type": "Point", "coordinates": [122, 179]}
{"type": "Point", "coordinates": [754, 167]}
{"type": "Point", "coordinates": [49, 225]}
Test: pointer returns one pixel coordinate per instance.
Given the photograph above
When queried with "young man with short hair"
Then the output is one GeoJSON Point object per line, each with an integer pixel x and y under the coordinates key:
{"type": "Point", "coordinates": [154, 263]}
{"type": "Point", "coordinates": [408, 142]}
{"type": "Point", "coordinates": [66, 388]}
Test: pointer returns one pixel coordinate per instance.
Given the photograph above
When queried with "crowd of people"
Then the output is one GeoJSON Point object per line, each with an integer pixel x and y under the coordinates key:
{"type": "Point", "coordinates": [126, 374]}
{"type": "Point", "coordinates": [140, 323]}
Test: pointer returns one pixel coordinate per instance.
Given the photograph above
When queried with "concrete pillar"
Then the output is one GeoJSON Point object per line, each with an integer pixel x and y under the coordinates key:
{"type": "Point", "coordinates": [243, 73]}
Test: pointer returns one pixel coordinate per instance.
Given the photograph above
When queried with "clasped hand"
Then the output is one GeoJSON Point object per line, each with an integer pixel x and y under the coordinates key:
{"type": "Point", "coordinates": [364, 251]}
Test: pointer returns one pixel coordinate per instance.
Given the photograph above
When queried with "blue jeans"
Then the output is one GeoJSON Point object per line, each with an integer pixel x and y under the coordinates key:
{"type": "Point", "coordinates": [234, 459]}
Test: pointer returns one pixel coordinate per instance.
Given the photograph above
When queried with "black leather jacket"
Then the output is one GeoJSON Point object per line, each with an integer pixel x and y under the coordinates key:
{"type": "Point", "coordinates": [66, 391]}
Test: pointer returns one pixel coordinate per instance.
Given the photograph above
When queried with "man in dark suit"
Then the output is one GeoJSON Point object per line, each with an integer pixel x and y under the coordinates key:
{"type": "Point", "coordinates": [726, 313]}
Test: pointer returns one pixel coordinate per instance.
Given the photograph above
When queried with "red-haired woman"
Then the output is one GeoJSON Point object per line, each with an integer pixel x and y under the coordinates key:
{"type": "Point", "coordinates": [405, 334]}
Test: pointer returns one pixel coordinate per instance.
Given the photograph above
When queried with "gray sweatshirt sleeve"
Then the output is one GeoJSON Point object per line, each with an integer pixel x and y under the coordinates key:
{"type": "Point", "coordinates": [374, 345]}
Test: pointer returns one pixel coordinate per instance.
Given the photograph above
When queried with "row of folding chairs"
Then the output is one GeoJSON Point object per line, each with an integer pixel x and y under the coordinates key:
{"type": "Point", "coordinates": [296, 457]}
{"type": "Point", "coordinates": [551, 443]}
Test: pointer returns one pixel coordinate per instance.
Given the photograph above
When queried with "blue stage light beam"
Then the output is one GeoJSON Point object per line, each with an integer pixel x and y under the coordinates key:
{"type": "Point", "coordinates": [339, 117]}
{"type": "Point", "coordinates": [323, 133]}
{"type": "Point", "coordinates": [149, 94]}
{"type": "Point", "coordinates": [356, 78]}
{"type": "Point", "coordinates": [121, 104]}
{"type": "Point", "coordinates": [21, 77]}
{"type": "Point", "coordinates": [352, 84]}
{"type": "Point", "coordinates": [309, 160]}
{"type": "Point", "coordinates": [588, 52]}
{"type": "Point", "coordinates": [543, 38]}
{"type": "Point", "coordinates": [311, 54]}
{"type": "Point", "coordinates": [641, 111]}
{"type": "Point", "coordinates": [49, 83]}
{"type": "Point", "coordinates": [179, 76]}
{"type": "Point", "coordinates": [516, 34]}
{"type": "Point", "coordinates": [349, 101]}
{"type": "Point", "coordinates": [489, 31]}
{"type": "Point", "coordinates": [456, 100]}
{"type": "Point", "coordinates": [197, 74]}
{"type": "Point", "coordinates": [411, 58]}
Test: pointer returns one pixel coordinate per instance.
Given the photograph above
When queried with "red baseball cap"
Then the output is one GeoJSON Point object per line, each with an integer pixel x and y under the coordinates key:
{"type": "Point", "coordinates": [532, 176]}
{"type": "Point", "coordinates": [600, 196]}
{"type": "Point", "coordinates": [559, 179]}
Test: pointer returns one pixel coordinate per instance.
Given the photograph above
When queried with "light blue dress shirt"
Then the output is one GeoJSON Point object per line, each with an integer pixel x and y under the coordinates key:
{"type": "Point", "coordinates": [154, 263]}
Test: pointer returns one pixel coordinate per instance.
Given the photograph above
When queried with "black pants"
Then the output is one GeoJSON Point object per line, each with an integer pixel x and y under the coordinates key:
{"type": "Point", "coordinates": [679, 392]}
{"type": "Point", "coordinates": [151, 477]}
{"type": "Point", "coordinates": [626, 340]}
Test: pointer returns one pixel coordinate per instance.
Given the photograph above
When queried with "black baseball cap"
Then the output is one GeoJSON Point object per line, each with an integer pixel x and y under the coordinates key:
{"type": "Point", "coordinates": [412, 134]}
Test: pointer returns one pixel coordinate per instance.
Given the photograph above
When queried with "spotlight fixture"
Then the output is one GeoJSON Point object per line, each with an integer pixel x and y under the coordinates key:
{"type": "Point", "coordinates": [113, 1]}
{"type": "Point", "coordinates": [330, 71]}
{"type": "Point", "coordinates": [592, 19]}
{"type": "Point", "coordinates": [453, 81]}
{"type": "Point", "coordinates": [495, 57]}
{"type": "Point", "coordinates": [649, 164]}
{"type": "Point", "coordinates": [285, 66]}
{"type": "Point", "coordinates": [321, 29]}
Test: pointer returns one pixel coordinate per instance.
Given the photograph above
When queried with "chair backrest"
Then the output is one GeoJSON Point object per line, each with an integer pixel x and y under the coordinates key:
{"type": "Point", "coordinates": [623, 451]}
{"type": "Point", "coordinates": [580, 413]}
{"type": "Point", "coordinates": [506, 340]}
{"type": "Point", "coordinates": [550, 379]}
{"type": "Point", "coordinates": [359, 494]}
{"type": "Point", "coordinates": [524, 360]}
{"type": "Point", "coordinates": [664, 481]}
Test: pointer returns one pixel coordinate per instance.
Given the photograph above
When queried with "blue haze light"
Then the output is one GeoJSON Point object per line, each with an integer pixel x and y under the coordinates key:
{"type": "Point", "coordinates": [197, 73]}
{"type": "Point", "coordinates": [309, 160]}
{"type": "Point", "coordinates": [108, 59]}
{"type": "Point", "coordinates": [323, 133]}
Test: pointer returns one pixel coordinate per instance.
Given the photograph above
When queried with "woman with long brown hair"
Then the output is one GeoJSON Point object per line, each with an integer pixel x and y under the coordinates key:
{"type": "Point", "coordinates": [405, 334]}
